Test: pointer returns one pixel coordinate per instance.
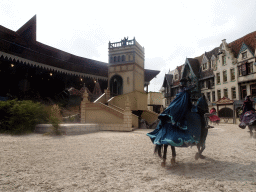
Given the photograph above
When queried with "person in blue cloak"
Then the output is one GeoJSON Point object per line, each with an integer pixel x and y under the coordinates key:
{"type": "Point", "coordinates": [173, 128]}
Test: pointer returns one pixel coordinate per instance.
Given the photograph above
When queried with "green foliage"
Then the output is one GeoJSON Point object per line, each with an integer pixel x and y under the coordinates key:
{"type": "Point", "coordinates": [55, 119]}
{"type": "Point", "coordinates": [20, 117]}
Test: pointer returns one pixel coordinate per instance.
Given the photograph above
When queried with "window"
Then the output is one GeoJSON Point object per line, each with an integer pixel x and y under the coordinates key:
{"type": "Point", "coordinates": [210, 65]}
{"type": "Point", "coordinates": [214, 64]}
{"type": "Point", "coordinates": [115, 59]}
{"type": "Point", "coordinates": [226, 93]}
{"type": "Point", "coordinates": [203, 84]}
{"type": "Point", "coordinates": [172, 92]}
{"type": "Point", "coordinates": [208, 84]}
{"type": "Point", "coordinates": [213, 82]}
{"type": "Point", "coordinates": [218, 78]}
{"type": "Point", "coordinates": [249, 68]}
{"type": "Point", "coordinates": [213, 96]}
{"type": "Point", "coordinates": [209, 96]}
{"type": "Point", "coordinates": [244, 55]}
{"type": "Point", "coordinates": [118, 58]}
{"type": "Point", "coordinates": [123, 57]}
{"type": "Point", "coordinates": [240, 71]}
{"type": "Point", "coordinates": [223, 60]}
{"type": "Point", "coordinates": [176, 77]}
{"type": "Point", "coordinates": [219, 94]}
{"type": "Point", "coordinates": [232, 74]}
{"type": "Point", "coordinates": [225, 78]}
{"type": "Point", "coordinates": [243, 92]}
{"type": "Point", "coordinates": [253, 90]}
{"type": "Point", "coordinates": [204, 66]}
{"type": "Point", "coordinates": [233, 92]}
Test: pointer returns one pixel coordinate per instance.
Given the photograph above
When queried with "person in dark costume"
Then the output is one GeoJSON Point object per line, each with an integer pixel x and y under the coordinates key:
{"type": "Point", "coordinates": [181, 125]}
{"type": "Point", "coordinates": [173, 128]}
{"type": "Point", "coordinates": [248, 116]}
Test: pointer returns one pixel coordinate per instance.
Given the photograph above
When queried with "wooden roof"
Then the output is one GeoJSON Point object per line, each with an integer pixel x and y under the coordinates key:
{"type": "Point", "coordinates": [248, 39]}
{"type": "Point", "coordinates": [167, 80]}
{"type": "Point", "coordinates": [23, 45]}
{"type": "Point", "coordinates": [225, 101]}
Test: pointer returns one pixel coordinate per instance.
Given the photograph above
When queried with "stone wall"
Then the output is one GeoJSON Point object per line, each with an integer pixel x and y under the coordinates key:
{"type": "Point", "coordinates": [149, 116]}
{"type": "Point", "coordinates": [107, 117]}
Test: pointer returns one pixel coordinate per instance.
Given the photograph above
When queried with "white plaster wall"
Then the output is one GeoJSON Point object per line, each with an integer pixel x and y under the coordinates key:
{"type": "Point", "coordinates": [229, 84]}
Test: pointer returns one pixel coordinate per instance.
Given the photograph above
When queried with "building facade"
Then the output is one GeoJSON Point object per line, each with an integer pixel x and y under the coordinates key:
{"type": "Point", "coordinates": [32, 70]}
{"type": "Point", "coordinates": [228, 70]}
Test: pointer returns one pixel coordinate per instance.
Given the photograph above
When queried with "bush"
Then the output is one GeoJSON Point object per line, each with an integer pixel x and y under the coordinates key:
{"type": "Point", "coordinates": [55, 119]}
{"type": "Point", "coordinates": [20, 117]}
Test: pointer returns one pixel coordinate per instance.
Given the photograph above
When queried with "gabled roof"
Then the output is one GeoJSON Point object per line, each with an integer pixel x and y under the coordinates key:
{"type": "Point", "coordinates": [28, 30]}
{"type": "Point", "coordinates": [209, 72]}
{"type": "Point", "coordinates": [195, 65]}
{"type": "Point", "coordinates": [206, 74]}
{"type": "Point", "coordinates": [248, 39]}
{"type": "Point", "coordinates": [167, 80]}
{"type": "Point", "coordinates": [179, 68]}
{"type": "Point", "coordinates": [200, 58]}
{"type": "Point", "coordinates": [212, 52]}
{"type": "Point", "coordinates": [243, 48]}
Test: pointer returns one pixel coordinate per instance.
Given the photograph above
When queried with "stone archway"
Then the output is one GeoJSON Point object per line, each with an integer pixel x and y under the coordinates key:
{"type": "Point", "coordinates": [116, 85]}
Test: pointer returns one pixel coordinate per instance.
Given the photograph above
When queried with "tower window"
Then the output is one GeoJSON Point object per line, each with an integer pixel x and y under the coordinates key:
{"type": "Point", "coordinates": [123, 57]}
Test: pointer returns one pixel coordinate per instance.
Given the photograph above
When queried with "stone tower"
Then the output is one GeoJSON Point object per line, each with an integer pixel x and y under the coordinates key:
{"type": "Point", "coordinates": [126, 67]}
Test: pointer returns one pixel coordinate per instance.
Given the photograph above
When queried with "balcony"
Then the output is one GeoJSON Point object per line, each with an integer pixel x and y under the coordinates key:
{"type": "Point", "coordinates": [122, 43]}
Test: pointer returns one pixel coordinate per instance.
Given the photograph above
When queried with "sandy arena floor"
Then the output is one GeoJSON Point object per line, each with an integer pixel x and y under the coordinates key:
{"type": "Point", "coordinates": [124, 161]}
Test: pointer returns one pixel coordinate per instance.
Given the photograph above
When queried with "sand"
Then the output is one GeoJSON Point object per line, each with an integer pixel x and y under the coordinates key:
{"type": "Point", "coordinates": [124, 161]}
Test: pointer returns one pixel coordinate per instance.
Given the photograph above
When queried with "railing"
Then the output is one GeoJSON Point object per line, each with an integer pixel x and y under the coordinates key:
{"type": "Point", "coordinates": [100, 99]}
{"type": "Point", "coordinates": [116, 107]}
{"type": "Point", "coordinates": [123, 42]}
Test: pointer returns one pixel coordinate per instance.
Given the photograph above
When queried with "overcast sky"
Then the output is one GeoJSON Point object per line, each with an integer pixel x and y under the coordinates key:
{"type": "Point", "coordinates": [169, 30]}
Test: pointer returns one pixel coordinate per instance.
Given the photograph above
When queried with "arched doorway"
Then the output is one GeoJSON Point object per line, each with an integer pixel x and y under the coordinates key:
{"type": "Point", "coordinates": [116, 85]}
{"type": "Point", "coordinates": [226, 112]}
